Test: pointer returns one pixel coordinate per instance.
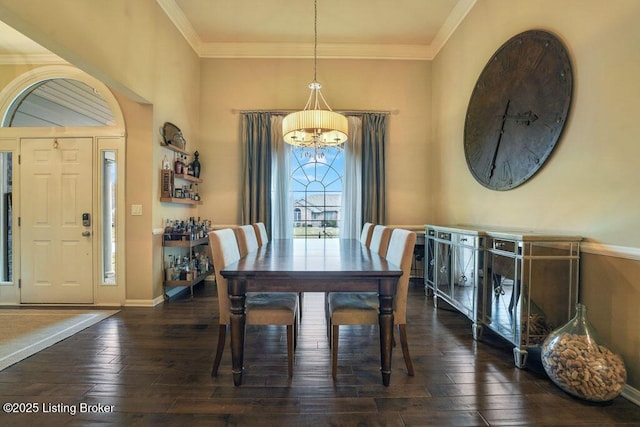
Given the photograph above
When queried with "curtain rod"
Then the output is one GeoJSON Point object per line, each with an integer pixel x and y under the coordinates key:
{"type": "Point", "coordinates": [348, 112]}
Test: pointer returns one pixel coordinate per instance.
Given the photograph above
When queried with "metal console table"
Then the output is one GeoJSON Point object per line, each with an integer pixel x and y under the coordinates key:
{"type": "Point", "coordinates": [520, 285]}
{"type": "Point", "coordinates": [453, 271]}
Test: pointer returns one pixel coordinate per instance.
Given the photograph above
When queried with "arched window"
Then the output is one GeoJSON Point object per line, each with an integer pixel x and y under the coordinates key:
{"type": "Point", "coordinates": [316, 190]}
{"type": "Point", "coordinates": [59, 102]}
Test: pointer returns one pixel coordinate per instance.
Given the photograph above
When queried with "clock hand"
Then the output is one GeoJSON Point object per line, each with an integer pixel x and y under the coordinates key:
{"type": "Point", "coordinates": [525, 118]}
{"type": "Point", "coordinates": [492, 166]}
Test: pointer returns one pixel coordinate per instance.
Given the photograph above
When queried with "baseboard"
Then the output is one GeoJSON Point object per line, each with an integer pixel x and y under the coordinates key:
{"type": "Point", "coordinates": [631, 394]}
{"type": "Point", "coordinates": [143, 302]}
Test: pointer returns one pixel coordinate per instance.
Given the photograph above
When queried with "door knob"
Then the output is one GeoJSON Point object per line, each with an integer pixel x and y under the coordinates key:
{"type": "Point", "coordinates": [86, 233]}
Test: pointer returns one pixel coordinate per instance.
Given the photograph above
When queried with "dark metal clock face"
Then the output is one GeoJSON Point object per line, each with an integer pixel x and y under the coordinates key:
{"type": "Point", "coordinates": [517, 110]}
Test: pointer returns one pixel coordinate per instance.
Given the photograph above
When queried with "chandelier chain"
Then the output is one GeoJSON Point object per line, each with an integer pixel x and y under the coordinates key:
{"type": "Point", "coordinates": [315, 127]}
{"type": "Point", "coordinates": [315, 40]}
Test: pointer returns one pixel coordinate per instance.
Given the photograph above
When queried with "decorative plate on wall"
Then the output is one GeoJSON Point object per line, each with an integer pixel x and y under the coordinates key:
{"type": "Point", "coordinates": [172, 135]}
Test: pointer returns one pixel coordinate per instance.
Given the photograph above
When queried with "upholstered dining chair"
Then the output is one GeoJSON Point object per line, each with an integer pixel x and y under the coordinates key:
{"type": "Point", "coordinates": [277, 308]}
{"type": "Point", "coordinates": [380, 239]}
{"type": "Point", "coordinates": [261, 232]}
{"type": "Point", "coordinates": [247, 239]}
{"type": "Point", "coordinates": [362, 308]}
{"type": "Point", "coordinates": [263, 239]}
{"type": "Point", "coordinates": [365, 238]}
{"type": "Point", "coordinates": [365, 235]}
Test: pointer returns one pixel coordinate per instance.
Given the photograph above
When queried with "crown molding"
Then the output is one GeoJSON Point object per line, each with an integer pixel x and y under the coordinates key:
{"type": "Point", "coordinates": [177, 16]}
{"type": "Point", "coordinates": [325, 51]}
{"type": "Point", "coordinates": [455, 18]}
{"type": "Point", "coordinates": [31, 58]}
{"type": "Point", "coordinates": [414, 52]}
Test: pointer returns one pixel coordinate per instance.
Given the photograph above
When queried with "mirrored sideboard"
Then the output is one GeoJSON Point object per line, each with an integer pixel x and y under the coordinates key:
{"type": "Point", "coordinates": [453, 271]}
{"type": "Point", "coordinates": [520, 285]}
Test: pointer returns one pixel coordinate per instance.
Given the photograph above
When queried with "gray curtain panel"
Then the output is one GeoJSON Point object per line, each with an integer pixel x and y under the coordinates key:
{"type": "Point", "coordinates": [373, 167]}
{"type": "Point", "coordinates": [256, 188]}
{"type": "Point", "coordinates": [257, 168]}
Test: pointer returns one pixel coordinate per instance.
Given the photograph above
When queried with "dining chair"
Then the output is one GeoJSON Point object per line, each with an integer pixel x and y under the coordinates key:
{"type": "Point", "coordinates": [352, 308]}
{"type": "Point", "coordinates": [365, 239]}
{"type": "Point", "coordinates": [263, 239]}
{"type": "Point", "coordinates": [380, 239]}
{"type": "Point", "coordinates": [276, 308]}
{"type": "Point", "coordinates": [365, 235]}
{"type": "Point", "coordinates": [247, 239]}
{"type": "Point", "coordinates": [261, 232]}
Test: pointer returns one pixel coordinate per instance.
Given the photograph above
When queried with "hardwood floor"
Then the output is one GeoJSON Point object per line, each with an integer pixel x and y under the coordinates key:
{"type": "Point", "coordinates": [153, 367]}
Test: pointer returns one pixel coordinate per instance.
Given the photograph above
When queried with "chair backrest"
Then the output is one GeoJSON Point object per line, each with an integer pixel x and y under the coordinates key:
{"type": "Point", "coordinates": [261, 232]}
{"type": "Point", "coordinates": [365, 236]}
{"type": "Point", "coordinates": [400, 254]}
{"type": "Point", "coordinates": [247, 239]}
{"type": "Point", "coordinates": [224, 251]}
{"type": "Point", "coordinates": [380, 239]}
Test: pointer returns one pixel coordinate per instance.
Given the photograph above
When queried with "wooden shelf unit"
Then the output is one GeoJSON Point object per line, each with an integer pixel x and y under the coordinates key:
{"type": "Point", "coordinates": [192, 246]}
{"type": "Point", "coordinates": [175, 176]}
{"type": "Point", "coordinates": [179, 200]}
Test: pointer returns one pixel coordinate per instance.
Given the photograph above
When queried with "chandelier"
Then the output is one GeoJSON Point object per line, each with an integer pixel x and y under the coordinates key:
{"type": "Point", "coordinates": [315, 127]}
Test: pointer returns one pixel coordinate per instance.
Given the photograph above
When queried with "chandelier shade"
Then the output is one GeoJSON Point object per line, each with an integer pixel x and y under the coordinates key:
{"type": "Point", "coordinates": [308, 127]}
{"type": "Point", "coordinates": [315, 127]}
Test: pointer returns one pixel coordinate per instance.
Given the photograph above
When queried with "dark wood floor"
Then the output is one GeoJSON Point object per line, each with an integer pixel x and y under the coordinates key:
{"type": "Point", "coordinates": [153, 366]}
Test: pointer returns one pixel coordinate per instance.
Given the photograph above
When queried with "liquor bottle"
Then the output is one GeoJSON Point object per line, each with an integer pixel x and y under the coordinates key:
{"type": "Point", "coordinates": [195, 165]}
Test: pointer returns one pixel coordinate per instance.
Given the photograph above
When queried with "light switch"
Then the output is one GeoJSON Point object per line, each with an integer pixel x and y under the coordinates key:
{"type": "Point", "coordinates": [136, 210]}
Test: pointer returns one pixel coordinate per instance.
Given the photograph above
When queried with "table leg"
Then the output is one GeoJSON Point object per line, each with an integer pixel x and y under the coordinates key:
{"type": "Point", "coordinates": [386, 292]}
{"type": "Point", "coordinates": [238, 317]}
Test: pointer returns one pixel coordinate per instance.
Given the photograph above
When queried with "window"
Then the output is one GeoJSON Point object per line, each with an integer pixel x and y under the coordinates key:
{"type": "Point", "coordinates": [316, 189]}
{"type": "Point", "coordinates": [59, 102]}
{"type": "Point", "coordinates": [6, 212]}
{"type": "Point", "coordinates": [109, 192]}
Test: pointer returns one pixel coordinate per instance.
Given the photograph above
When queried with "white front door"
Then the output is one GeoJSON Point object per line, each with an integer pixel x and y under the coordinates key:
{"type": "Point", "coordinates": [56, 245]}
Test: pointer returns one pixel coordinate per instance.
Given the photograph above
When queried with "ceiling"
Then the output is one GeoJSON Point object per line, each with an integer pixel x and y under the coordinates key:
{"type": "Point", "coordinates": [381, 29]}
{"type": "Point", "coordinates": [16, 48]}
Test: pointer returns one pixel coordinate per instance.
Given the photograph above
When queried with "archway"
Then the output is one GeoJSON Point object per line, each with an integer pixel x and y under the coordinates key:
{"type": "Point", "coordinates": [51, 115]}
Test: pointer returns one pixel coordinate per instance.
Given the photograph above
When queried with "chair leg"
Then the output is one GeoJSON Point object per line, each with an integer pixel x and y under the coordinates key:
{"type": "Point", "coordinates": [327, 316]}
{"type": "Point", "coordinates": [296, 328]}
{"type": "Point", "coordinates": [405, 348]}
{"type": "Point", "coordinates": [334, 350]}
{"type": "Point", "coordinates": [290, 345]}
{"type": "Point", "coordinates": [300, 302]}
{"type": "Point", "coordinates": [222, 336]}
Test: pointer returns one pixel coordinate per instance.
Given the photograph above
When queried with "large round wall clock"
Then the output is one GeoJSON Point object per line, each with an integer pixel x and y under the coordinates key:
{"type": "Point", "coordinates": [517, 110]}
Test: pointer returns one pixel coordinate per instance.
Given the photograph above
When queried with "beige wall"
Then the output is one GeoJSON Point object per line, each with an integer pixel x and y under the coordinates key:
{"type": "Point", "coordinates": [589, 186]}
{"type": "Point", "coordinates": [132, 47]}
{"type": "Point", "coordinates": [398, 86]}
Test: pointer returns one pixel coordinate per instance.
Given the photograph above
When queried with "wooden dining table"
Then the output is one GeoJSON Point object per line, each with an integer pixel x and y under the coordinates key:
{"type": "Point", "coordinates": [311, 265]}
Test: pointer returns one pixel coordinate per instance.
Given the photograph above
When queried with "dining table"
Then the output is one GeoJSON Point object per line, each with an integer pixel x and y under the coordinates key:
{"type": "Point", "coordinates": [311, 265]}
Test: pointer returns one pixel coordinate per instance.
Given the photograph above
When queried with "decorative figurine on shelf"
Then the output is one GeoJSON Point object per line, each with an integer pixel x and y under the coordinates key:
{"type": "Point", "coordinates": [166, 165]}
{"type": "Point", "coordinates": [195, 165]}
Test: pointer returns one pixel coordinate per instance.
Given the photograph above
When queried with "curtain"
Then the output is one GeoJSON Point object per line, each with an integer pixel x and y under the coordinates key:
{"type": "Point", "coordinates": [256, 187]}
{"type": "Point", "coordinates": [373, 167]}
{"type": "Point", "coordinates": [281, 196]}
{"type": "Point", "coordinates": [266, 169]}
{"type": "Point", "coordinates": [351, 218]}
